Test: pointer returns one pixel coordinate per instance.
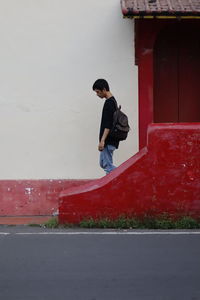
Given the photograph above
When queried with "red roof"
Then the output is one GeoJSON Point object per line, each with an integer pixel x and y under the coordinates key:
{"type": "Point", "coordinates": [131, 8]}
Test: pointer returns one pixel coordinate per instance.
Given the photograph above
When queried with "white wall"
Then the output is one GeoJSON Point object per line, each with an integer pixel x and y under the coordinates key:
{"type": "Point", "coordinates": [51, 52]}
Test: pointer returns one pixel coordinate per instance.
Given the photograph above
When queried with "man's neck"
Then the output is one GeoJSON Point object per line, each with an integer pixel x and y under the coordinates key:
{"type": "Point", "coordinates": [108, 95]}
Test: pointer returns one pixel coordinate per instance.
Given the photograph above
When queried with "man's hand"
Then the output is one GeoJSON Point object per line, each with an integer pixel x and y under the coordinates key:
{"type": "Point", "coordinates": [102, 142]}
{"type": "Point", "coordinates": [101, 146]}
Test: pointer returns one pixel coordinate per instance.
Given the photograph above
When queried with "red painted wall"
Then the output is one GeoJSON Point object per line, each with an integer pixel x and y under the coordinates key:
{"type": "Point", "coordinates": [146, 32]}
{"type": "Point", "coordinates": [32, 197]}
{"type": "Point", "coordinates": [162, 177]}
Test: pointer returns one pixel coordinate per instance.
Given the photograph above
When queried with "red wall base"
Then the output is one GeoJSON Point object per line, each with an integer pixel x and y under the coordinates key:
{"type": "Point", "coordinates": [32, 197]}
{"type": "Point", "coordinates": [163, 177]}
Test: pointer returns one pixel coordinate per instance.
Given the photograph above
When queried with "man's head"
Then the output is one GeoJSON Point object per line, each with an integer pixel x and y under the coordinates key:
{"type": "Point", "coordinates": [101, 88]}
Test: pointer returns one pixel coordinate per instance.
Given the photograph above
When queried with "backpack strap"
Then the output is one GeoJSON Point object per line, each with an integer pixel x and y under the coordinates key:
{"type": "Point", "coordinates": [116, 105]}
{"type": "Point", "coordinates": [115, 113]}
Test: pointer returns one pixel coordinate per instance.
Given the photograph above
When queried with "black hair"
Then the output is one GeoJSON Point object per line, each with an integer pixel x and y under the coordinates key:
{"type": "Point", "coordinates": [101, 84]}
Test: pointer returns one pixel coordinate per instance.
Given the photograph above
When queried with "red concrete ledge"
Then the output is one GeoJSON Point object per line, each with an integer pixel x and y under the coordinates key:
{"type": "Point", "coordinates": [27, 220]}
{"type": "Point", "coordinates": [163, 177]}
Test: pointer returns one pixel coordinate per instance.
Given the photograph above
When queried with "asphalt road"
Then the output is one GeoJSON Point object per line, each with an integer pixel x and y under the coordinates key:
{"type": "Point", "coordinates": [98, 265]}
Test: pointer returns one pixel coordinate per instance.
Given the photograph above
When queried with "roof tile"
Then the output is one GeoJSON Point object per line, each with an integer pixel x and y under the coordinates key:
{"type": "Point", "coordinates": [160, 7]}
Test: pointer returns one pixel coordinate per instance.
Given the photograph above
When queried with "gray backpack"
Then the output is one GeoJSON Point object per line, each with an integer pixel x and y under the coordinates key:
{"type": "Point", "coordinates": [120, 128]}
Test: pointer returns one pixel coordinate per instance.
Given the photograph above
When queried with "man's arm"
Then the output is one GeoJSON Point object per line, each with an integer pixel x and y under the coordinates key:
{"type": "Point", "coordinates": [102, 142]}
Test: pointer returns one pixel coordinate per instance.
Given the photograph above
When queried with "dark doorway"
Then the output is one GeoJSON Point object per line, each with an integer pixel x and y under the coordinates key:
{"type": "Point", "coordinates": [177, 73]}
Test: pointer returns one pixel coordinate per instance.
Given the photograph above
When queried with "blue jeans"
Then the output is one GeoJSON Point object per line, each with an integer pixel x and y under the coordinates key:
{"type": "Point", "coordinates": [106, 158]}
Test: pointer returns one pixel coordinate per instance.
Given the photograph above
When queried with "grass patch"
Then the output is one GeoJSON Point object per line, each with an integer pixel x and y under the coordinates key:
{"type": "Point", "coordinates": [52, 223]}
{"type": "Point", "coordinates": [120, 223]}
{"type": "Point", "coordinates": [187, 223]}
{"type": "Point", "coordinates": [162, 222]}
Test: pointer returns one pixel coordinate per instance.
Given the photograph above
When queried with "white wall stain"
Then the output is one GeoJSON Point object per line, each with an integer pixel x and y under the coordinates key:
{"type": "Point", "coordinates": [28, 191]}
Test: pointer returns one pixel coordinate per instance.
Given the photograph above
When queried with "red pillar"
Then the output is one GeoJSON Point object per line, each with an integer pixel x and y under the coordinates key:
{"type": "Point", "coordinates": [146, 32]}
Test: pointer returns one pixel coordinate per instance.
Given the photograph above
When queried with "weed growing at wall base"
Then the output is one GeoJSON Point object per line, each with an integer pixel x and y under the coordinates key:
{"type": "Point", "coordinates": [52, 223]}
{"type": "Point", "coordinates": [145, 223]}
{"type": "Point", "coordinates": [162, 222]}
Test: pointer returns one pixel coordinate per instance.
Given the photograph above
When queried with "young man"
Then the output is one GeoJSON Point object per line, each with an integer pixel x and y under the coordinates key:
{"type": "Point", "coordinates": [107, 144]}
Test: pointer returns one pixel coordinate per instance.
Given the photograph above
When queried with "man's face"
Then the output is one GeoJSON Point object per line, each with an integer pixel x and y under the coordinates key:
{"type": "Point", "coordinates": [100, 94]}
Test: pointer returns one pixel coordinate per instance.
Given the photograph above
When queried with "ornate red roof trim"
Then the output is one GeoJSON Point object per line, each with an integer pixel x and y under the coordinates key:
{"type": "Point", "coordinates": [131, 8]}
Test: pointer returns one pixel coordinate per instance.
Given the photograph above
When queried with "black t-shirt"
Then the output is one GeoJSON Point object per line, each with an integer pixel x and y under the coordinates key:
{"type": "Point", "coordinates": [107, 121]}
